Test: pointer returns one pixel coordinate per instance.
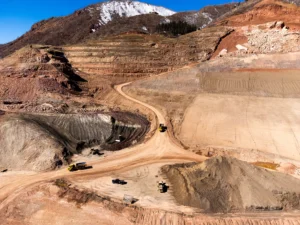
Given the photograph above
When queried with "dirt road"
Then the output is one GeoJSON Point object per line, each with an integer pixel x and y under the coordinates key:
{"type": "Point", "coordinates": [160, 148]}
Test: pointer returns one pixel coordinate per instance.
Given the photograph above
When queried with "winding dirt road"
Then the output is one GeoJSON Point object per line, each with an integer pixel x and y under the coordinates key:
{"type": "Point", "coordinates": [159, 148]}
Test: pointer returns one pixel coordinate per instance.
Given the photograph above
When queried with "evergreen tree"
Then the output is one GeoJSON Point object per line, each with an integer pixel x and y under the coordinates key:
{"type": "Point", "coordinates": [175, 28]}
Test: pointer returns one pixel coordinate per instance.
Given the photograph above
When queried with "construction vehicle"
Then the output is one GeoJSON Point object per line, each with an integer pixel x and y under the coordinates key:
{"type": "Point", "coordinates": [78, 166]}
{"type": "Point", "coordinates": [162, 128]}
{"type": "Point", "coordinates": [3, 170]}
{"type": "Point", "coordinates": [96, 152]}
{"type": "Point", "coordinates": [162, 187]}
{"type": "Point", "coordinates": [118, 181]}
{"type": "Point", "coordinates": [120, 139]}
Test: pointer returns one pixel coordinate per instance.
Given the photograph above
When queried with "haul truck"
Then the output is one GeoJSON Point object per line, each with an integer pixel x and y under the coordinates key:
{"type": "Point", "coordinates": [78, 166]}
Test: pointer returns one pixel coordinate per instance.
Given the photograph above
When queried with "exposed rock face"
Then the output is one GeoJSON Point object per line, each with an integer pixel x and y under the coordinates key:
{"type": "Point", "coordinates": [227, 185]}
{"type": "Point", "coordinates": [35, 74]}
{"type": "Point", "coordinates": [44, 142]}
{"type": "Point", "coordinates": [275, 38]}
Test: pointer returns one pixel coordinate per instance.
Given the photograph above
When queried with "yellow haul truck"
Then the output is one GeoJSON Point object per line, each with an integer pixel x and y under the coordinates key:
{"type": "Point", "coordinates": [78, 166]}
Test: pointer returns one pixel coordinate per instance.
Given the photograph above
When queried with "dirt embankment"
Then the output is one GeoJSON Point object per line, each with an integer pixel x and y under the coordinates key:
{"type": "Point", "coordinates": [43, 142]}
{"type": "Point", "coordinates": [64, 204]}
{"type": "Point", "coordinates": [229, 185]}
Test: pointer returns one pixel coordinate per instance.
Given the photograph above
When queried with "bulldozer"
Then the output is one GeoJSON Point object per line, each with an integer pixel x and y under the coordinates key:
{"type": "Point", "coordinates": [162, 128]}
{"type": "Point", "coordinates": [78, 166]}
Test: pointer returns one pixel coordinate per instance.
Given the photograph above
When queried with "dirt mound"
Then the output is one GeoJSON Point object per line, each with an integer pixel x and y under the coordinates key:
{"type": "Point", "coordinates": [228, 185]}
{"type": "Point", "coordinates": [44, 142]}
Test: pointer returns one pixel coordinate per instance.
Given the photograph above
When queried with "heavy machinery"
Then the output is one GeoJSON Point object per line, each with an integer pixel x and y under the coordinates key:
{"type": "Point", "coordinates": [78, 166]}
{"type": "Point", "coordinates": [162, 187]}
{"type": "Point", "coordinates": [118, 181]}
{"type": "Point", "coordinates": [96, 152]}
{"type": "Point", "coordinates": [162, 128]}
{"type": "Point", "coordinates": [3, 170]}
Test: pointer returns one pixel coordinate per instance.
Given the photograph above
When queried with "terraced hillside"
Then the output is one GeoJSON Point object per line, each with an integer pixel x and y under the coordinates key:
{"type": "Point", "coordinates": [130, 56]}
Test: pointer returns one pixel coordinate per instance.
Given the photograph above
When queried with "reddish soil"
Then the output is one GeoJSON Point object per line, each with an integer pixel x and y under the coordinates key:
{"type": "Point", "coordinates": [268, 11]}
{"type": "Point", "coordinates": [230, 42]}
{"type": "Point", "coordinates": [263, 70]}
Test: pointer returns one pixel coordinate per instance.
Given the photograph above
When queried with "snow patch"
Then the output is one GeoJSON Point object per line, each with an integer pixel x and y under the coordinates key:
{"type": "Point", "coordinates": [128, 9]}
{"type": "Point", "coordinates": [144, 28]}
{"type": "Point", "coordinates": [165, 20]}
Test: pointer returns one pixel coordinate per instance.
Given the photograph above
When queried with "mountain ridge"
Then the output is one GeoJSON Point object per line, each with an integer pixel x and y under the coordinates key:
{"type": "Point", "coordinates": [87, 23]}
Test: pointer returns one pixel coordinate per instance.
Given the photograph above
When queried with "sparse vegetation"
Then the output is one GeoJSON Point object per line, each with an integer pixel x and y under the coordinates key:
{"type": "Point", "coordinates": [36, 67]}
{"type": "Point", "coordinates": [61, 183]}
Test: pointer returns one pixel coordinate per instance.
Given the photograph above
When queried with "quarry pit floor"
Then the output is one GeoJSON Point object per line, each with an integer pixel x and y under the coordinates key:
{"type": "Point", "coordinates": [18, 189]}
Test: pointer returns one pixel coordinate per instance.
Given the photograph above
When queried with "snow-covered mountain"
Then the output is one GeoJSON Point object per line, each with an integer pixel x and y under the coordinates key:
{"type": "Point", "coordinates": [110, 18]}
{"type": "Point", "coordinates": [128, 8]}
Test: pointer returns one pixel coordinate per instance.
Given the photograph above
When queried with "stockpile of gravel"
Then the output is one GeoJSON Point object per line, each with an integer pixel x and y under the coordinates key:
{"type": "Point", "coordinates": [223, 184]}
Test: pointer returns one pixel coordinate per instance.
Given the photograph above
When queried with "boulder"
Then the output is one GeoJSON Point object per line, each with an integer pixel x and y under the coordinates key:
{"type": "Point", "coordinates": [241, 47]}
{"type": "Point", "coordinates": [223, 52]}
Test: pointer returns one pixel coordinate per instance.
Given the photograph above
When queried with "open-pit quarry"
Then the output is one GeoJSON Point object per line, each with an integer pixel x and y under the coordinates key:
{"type": "Point", "coordinates": [60, 196]}
{"type": "Point", "coordinates": [144, 129]}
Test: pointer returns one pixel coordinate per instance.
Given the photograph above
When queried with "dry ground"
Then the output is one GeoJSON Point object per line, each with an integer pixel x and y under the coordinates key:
{"type": "Point", "coordinates": [266, 124]}
{"type": "Point", "coordinates": [18, 196]}
{"type": "Point", "coordinates": [250, 112]}
{"type": "Point", "coordinates": [141, 184]}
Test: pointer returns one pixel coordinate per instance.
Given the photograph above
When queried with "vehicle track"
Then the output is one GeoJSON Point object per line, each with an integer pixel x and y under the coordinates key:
{"type": "Point", "coordinates": [160, 148]}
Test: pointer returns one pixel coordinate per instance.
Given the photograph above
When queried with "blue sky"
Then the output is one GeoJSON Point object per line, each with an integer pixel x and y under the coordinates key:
{"type": "Point", "coordinates": [17, 16]}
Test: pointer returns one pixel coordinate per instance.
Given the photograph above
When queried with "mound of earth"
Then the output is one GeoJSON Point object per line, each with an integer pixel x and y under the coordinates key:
{"type": "Point", "coordinates": [224, 184]}
{"type": "Point", "coordinates": [46, 141]}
